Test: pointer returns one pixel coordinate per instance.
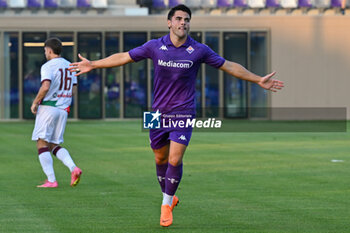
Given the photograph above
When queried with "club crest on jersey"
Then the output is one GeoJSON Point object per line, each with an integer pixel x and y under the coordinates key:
{"type": "Point", "coordinates": [190, 49]}
{"type": "Point", "coordinates": [164, 48]}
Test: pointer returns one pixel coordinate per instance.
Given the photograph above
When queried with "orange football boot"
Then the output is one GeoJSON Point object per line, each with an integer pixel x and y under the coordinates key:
{"type": "Point", "coordinates": [166, 216]}
{"type": "Point", "coordinates": [175, 202]}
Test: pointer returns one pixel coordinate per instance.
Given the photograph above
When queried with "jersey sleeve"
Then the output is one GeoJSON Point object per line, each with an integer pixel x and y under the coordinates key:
{"type": "Point", "coordinates": [213, 59]}
{"type": "Point", "coordinates": [142, 52]}
{"type": "Point", "coordinates": [46, 73]}
{"type": "Point", "coordinates": [74, 79]}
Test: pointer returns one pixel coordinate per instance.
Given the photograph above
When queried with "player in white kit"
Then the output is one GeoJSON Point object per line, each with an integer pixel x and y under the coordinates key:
{"type": "Point", "coordinates": [51, 106]}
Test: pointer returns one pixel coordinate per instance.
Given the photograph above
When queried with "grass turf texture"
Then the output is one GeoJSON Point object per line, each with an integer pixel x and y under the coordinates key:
{"type": "Point", "coordinates": [232, 182]}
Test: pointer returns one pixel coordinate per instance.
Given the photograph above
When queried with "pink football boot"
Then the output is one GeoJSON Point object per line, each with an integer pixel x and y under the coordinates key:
{"type": "Point", "coordinates": [48, 184]}
{"type": "Point", "coordinates": [75, 178]}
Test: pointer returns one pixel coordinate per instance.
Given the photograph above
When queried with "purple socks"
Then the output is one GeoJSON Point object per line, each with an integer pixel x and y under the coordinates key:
{"type": "Point", "coordinates": [161, 170]}
{"type": "Point", "coordinates": [172, 179]}
{"type": "Point", "coordinates": [169, 177]}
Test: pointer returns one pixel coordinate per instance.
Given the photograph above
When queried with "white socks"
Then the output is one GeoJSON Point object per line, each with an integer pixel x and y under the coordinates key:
{"type": "Point", "coordinates": [47, 165]}
{"type": "Point", "coordinates": [63, 155]}
{"type": "Point", "coordinates": [167, 199]}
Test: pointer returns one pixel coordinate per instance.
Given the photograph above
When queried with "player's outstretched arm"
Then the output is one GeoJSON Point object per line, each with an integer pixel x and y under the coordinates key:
{"type": "Point", "coordinates": [84, 66]}
{"type": "Point", "coordinates": [266, 82]}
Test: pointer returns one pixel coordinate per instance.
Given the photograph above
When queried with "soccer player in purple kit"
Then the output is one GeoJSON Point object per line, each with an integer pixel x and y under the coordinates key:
{"type": "Point", "coordinates": [176, 59]}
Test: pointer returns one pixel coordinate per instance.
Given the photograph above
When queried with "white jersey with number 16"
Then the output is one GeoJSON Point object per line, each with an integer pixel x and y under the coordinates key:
{"type": "Point", "coordinates": [62, 81]}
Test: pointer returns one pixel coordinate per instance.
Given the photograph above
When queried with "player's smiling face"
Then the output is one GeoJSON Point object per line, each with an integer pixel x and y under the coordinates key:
{"type": "Point", "coordinates": [180, 24]}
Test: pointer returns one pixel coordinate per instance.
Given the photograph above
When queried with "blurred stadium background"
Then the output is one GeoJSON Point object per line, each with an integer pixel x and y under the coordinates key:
{"type": "Point", "coordinates": [305, 41]}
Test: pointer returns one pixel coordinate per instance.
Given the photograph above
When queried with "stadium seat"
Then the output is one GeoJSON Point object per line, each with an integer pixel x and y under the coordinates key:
{"type": "Point", "coordinates": [273, 3]}
{"type": "Point", "coordinates": [143, 3]}
{"type": "Point", "coordinates": [240, 3]}
{"type": "Point", "coordinates": [193, 3]}
{"type": "Point", "coordinates": [305, 3]}
{"type": "Point", "coordinates": [84, 3]}
{"type": "Point", "coordinates": [34, 4]}
{"type": "Point", "coordinates": [51, 4]}
{"type": "Point", "coordinates": [100, 4]}
{"type": "Point", "coordinates": [336, 3]}
{"type": "Point", "coordinates": [224, 3]}
{"type": "Point", "coordinates": [17, 3]}
{"type": "Point", "coordinates": [66, 4]}
{"type": "Point", "coordinates": [289, 3]}
{"type": "Point", "coordinates": [208, 3]}
{"type": "Point", "coordinates": [3, 4]}
{"type": "Point", "coordinates": [256, 3]}
{"type": "Point", "coordinates": [159, 4]}
{"type": "Point", "coordinates": [173, 3]}
{"type": "Point", "coordinates": [322, 4]}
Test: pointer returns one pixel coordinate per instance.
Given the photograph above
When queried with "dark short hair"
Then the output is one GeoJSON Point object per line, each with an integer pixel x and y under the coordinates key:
{"type": "Point", "coordinates": [55, 44]}
{"type": "Point", "coordinates": [180, 7]}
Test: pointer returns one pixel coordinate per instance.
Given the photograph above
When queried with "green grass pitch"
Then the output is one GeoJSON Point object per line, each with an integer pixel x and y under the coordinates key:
{"type": "Point", "coordinates": [232, 182]}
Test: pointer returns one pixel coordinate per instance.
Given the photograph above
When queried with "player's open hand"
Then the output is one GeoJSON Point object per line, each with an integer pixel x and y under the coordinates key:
{"type": "Point", "coordinates": [268, 83]}
{"type": "Point", "coordinates": [81, 67]}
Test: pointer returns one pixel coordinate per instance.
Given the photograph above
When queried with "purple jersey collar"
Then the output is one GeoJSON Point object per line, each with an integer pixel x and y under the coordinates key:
{"type": "Point", "coordinates": [167, 41]}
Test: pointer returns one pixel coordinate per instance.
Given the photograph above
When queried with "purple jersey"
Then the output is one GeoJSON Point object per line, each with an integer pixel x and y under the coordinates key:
{"type": "Point", "coordinates": [175, 70]}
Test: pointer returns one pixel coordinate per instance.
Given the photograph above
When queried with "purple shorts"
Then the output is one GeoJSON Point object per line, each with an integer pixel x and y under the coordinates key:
{"type": "Point", "coordinates": [161, 137]}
